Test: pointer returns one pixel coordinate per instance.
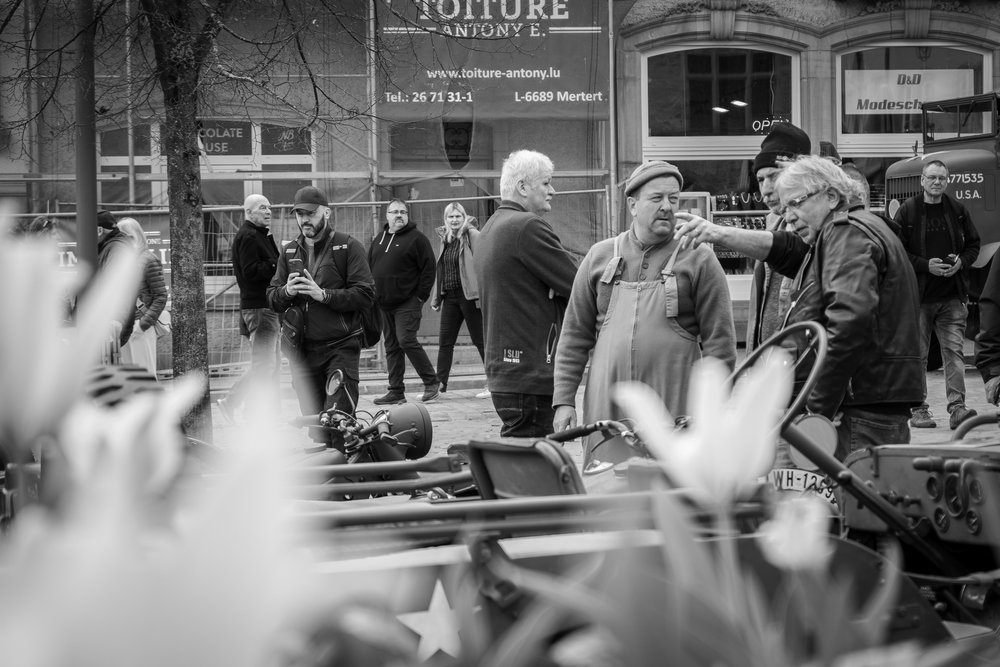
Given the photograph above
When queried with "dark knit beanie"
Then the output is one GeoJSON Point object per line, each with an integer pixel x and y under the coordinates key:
{"type": "Point", "coordinates": [106, 220]}
{"type": "Point", "coordinates": [783, 141]}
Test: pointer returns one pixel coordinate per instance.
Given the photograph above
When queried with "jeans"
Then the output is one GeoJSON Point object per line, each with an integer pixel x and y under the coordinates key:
{"type": "Point", "coordinates": [947, 319]}
{"type": "Point", "coordinates": [861, 428]}
{"type": "Point", "coordinates": [455, 309]}
{"type": "Point", "coordinates": [264, 326]}
{"type": "Point", "coordinates": [399, 331]}
{"type": "Point", "coordinates": [312, 369]}
{"type": "Point", "coordinates": [524, 415]}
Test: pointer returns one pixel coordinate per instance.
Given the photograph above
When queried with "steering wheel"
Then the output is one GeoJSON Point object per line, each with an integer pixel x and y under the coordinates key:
{"type": "Point", "coordinates": [972, 422]}
{"type": "Point", "coordinates": [816, 347]}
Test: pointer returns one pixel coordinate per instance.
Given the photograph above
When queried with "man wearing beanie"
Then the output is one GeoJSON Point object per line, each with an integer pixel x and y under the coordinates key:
{"type": "Point", "coordinates": [112, 243]}
{"type": "Point", "coordinates": [321, 283]}
{"type": "Point", "coordinates": [770, 292]}
{"type": "Point", "coordinates": [671, 306]}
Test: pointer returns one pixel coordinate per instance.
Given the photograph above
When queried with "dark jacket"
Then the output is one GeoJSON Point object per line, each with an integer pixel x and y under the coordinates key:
{"type": "Point", "coordinates": [525, 279]}
{"type": "Point", "coordinates": [111, 244]}
{"type": "Point", "coordinates": [152, 291]}
{"type": "Point", "coordinates": [402, 265]}
{"type": "Point", "coordinates": [255, 258]}
{"type": "Point", "coordinates": [332, 320]}
{"type": "Point", "coordinates": [988, 340]}
{"type": "Point", "coordinates": [857, 282]}
{"type": "Point", "coordinates": [964, 238]}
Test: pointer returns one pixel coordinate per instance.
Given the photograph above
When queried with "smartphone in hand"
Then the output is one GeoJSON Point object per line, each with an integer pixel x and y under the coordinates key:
{"type": "Point", "coordinates": [296, 265]}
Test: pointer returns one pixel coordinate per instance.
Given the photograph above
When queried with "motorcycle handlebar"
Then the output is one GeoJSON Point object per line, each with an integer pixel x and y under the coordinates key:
{"type": "Point", "coordinates": [587, 429]}
{"type": "Point", "coordinates": [304, 420]}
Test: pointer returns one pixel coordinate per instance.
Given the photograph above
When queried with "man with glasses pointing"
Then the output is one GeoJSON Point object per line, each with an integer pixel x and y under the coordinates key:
{"type": "Point", "coordinates": [942, 244]}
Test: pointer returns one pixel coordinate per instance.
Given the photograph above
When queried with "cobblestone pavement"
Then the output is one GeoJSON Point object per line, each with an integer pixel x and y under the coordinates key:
{"type": "Point", "coordinates": [458, 416]}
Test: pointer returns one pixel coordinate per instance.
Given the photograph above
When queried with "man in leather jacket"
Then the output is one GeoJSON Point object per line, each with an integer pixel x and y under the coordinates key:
{"type": "Point", "coordinates": [852, 275]}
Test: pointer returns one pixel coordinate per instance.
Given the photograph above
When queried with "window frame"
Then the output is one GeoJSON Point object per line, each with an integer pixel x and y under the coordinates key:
{"type": "Point", "coordinates": [731, 147]}
{"type": "Point", "coordinates": [894, 144]}
{"type": "Point", "coordinates": [245, 168]}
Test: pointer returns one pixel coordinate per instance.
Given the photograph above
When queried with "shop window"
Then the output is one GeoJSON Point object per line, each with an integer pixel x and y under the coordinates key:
{"type": "Point", "coordinates": [882, 88]}
{"type": "Point", "coordinates": [116, 191]}
{"type": "Point", "coordinates": [283, 191]}
{"type": "Point", "coordinates": [114, 143]}
{"type": "Point", "coordinates": [717, 92]}
{"type": "Point", "coordinates": [456, 144]}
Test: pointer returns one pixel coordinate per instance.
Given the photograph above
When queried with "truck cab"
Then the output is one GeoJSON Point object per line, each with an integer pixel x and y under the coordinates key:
{"type": "Point", "coordinates": [964, 134]}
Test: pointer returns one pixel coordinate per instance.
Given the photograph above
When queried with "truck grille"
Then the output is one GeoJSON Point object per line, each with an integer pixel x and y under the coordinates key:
{"type": "Point", "coordinates": [902, 188]}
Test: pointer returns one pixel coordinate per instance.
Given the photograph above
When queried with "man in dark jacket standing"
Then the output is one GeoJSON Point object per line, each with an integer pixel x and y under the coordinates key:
{"type": "Point", "coordinates": [255, 258]}
{"type": "Point", "coordinates": [942, 244]}
{"type": "Point", "coordinates": [112, 242]}
{"type": "Point", "coordinates": [525, 279]}
{"type": "Point", "coordinates": [402, 263]}
{"type": "Point", "coordinates": [322, 297]}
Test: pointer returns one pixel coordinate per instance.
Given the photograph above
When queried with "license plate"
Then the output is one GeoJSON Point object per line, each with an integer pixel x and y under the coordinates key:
{"type": "Point", "coordinates": [802, 481]}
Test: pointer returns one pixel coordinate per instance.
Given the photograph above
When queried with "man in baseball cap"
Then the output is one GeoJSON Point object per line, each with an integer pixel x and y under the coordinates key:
{"type": "Point", "coordinates": [321, 283]}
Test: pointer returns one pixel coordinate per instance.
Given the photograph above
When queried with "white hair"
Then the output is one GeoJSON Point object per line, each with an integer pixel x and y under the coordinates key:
{"type": "Point", "coordinates": [132, 228]}
{"type": "Point", "coordinates": [523, 165]}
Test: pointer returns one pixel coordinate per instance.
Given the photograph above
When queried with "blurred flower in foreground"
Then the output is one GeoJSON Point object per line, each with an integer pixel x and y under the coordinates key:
{"type": "Point", "coordinates": [798, 536]}
{"type": "Point", "coordinates": [42, 363]}
{"type": "Point", "coordinates": [730, 440]}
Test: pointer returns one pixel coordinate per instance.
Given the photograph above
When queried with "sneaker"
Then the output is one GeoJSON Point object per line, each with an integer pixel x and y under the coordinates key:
{"type": "Point", "coordinates": [485, 393]}
{"type": "Point", "coordinates": [444, 387]}
{"type": "Point", "coordinates": [431, 391]}
{"type": "Point", "coordinates": [227, 410]}
{"type": "Point", "coordinates": [959, 415]}
{"type": "Point", "coordinates": [392, 398]}
{"type": "Point", "coordinates": [921, 418]}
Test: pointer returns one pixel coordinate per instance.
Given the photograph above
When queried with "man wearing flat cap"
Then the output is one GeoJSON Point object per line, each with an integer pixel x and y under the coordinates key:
{"type": "Point", "coordinates": [321, 284]}
{"type": "Point", "coordinates": [670, 307]}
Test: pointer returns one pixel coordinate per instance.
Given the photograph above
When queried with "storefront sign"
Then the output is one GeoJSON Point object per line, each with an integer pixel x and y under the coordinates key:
{"type": "Point", "coordinates": [453, 59]}
{"type": "Point", "coordinates": [225, 137]}
{"type": "Point", "coordinates": [899, 91]}
{"type": "Point", "coordinates": [280, 140]}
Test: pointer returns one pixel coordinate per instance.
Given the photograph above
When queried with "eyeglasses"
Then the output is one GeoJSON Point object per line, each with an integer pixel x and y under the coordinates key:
{"type": "Point", "coordinates": [799, 201]}
{"type": "Point", "coordinates": [937, 179]}
{"type": "Point", "coordinates": [398, 213]}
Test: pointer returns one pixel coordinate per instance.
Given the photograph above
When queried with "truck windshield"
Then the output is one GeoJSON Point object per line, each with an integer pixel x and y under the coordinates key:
{"type": "Point", "coordinates": [959, 118]}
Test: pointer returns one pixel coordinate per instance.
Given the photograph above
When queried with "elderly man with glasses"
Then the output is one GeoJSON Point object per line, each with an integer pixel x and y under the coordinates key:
{"type": "Point", "coordinates": [942, 243]}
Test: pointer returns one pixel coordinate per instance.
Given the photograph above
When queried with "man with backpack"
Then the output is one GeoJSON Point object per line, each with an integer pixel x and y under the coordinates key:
{"type": "Point", "coordinates": [324, 288]}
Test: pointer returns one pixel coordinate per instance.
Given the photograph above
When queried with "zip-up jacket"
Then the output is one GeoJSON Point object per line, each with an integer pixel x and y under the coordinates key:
{"type": "Point", "coordinates": [858, 284]}
{"type": "Point", "coordinates": [333, 319]}
{"type": "Point", "coordinates": [963, 234]}
{"type": "Point", "coordinates": [402, 265]}
{"type": "Point", "coordinates": [525, 279]}
{"type": "Point", "coordinates": [467, 239]}
{"type": "Point", "coordinates": [255, 258]}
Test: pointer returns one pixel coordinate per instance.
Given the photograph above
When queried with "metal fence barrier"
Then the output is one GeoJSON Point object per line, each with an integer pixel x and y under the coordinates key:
{"type": "Point", "coordinates": [580, 218]}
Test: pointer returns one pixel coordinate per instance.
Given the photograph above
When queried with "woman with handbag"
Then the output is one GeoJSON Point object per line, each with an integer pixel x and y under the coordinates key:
{"type": "Point", "coordinates": [151, 316]}
{"type": "Point", "coordinates": [456, 292]}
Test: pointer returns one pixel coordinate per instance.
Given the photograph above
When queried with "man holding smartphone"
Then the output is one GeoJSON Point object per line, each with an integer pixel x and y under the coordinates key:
{"type": "Point", "coordinates": [942, 244]}
{"type": "Point", "coordinates": [322, 301]}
